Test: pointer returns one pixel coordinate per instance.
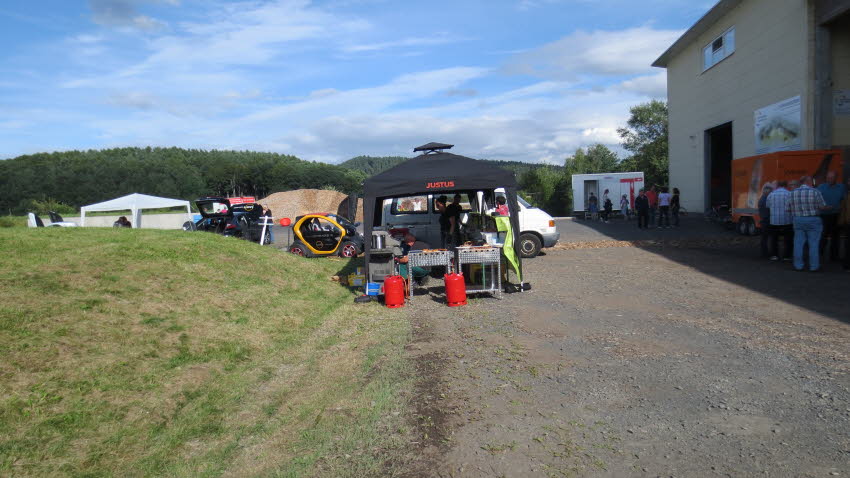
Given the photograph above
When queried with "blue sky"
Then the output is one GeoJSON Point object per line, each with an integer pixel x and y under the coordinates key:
{"type": "Point", "coordinates": [526, 80]}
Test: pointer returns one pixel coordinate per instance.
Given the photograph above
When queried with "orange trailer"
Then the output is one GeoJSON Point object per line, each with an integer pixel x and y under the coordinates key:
{"type": "Point", "coordinates": [751, 174]}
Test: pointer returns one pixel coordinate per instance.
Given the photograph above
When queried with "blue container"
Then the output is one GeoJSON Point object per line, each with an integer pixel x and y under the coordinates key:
{"type": "Point", "coordinates": [373, 288]}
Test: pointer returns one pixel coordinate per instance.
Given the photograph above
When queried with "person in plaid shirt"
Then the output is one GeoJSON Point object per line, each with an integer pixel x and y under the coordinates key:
{"type": "Point", "coordinates": [780, 222]}
{"type": "Point", "coordinates": [805, 205]}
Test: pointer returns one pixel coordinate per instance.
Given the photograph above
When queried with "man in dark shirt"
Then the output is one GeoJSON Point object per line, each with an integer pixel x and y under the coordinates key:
{"type": "Point", "coordinates": [452, 213]}
{"type": "Point", "coordinates": [642, 209]}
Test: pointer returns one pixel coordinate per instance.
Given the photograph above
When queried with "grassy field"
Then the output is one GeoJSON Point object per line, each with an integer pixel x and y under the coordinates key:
{"type": "Point", "coordinates": [141, 352]}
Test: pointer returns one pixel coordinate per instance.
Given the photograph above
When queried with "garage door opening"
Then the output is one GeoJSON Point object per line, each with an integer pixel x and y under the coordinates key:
{"type": "Point", "coordinates": [718, 165]}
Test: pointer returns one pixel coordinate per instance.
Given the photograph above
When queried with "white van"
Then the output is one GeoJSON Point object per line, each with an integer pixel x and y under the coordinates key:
{"type": "Point", "coordinates": [418, 215]}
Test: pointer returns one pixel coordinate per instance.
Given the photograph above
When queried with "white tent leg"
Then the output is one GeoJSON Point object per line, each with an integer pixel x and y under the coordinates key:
{"type": "Point", "coordinates": [82, 218]}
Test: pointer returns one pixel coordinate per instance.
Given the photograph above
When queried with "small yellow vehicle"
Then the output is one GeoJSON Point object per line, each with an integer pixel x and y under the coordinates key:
{"type": "Point", "coordinates": [325, 234]}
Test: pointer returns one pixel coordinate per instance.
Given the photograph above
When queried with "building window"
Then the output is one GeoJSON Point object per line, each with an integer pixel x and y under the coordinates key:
{"type": "Point", "coordinates": [720, 48]}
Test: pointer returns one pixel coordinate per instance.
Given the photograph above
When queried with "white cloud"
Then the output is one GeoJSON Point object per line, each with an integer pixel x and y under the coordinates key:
{"type": "Point", "coordinates": [653, 86]}
{"type": "Point", "coordinates": [122, 13]}
{"type": "Point", "coordinates": [605, 53]}
{"type": "Point", "coordinates": [435, 39]}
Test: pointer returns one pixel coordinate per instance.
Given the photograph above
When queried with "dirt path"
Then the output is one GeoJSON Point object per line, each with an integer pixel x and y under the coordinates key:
{"type": "Point", "coordinates": [631, 362]}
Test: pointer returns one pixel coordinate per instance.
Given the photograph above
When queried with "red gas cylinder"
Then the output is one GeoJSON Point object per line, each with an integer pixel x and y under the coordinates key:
{"type": "Point", "coordinates": [394, 292]}
{"type": "Point", "coordinates": [455, 290]}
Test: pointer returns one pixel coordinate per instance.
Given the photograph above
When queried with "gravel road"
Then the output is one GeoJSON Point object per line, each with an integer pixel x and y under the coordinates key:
{"type": "Point", "coordinates": [660, 361]}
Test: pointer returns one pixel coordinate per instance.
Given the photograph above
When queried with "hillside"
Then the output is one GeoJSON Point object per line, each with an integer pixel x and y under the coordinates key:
{"type": "Point", "coordinates": [77, 178]}
{"type": "Point", "coordinates": [166, 353]}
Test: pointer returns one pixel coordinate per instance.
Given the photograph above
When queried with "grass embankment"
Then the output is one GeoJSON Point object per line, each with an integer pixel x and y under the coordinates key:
{"type": "Point", "coordinates": [141, 352]}
{"type": "Point", "coordinates": [13, 221]}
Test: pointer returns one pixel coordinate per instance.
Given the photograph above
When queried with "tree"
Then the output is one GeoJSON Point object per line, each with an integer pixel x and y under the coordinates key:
{"type": "Point", "coordinates": [597, 159]}
{"type": "Point", "coordinates": [646, 138]}
{"type": "Point", "coordinates": [546, 188]}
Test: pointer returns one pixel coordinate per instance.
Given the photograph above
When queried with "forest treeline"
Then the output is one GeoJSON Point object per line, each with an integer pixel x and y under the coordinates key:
{"type": "Point", "coordinates": [64, 181]}
{"type": "Point", "coordinates": [70, 179]}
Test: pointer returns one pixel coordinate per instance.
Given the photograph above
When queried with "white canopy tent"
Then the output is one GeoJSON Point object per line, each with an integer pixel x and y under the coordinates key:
{"type": "Point", "coordinates": [135, 203]}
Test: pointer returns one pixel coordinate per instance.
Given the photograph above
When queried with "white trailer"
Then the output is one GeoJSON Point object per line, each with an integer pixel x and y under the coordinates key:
{"type": "Point", "coordinates": [617, 184]}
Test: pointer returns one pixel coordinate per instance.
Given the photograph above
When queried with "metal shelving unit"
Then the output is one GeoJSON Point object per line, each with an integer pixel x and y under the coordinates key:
{"type": "Point", "coordinates": [486, 256]}
{"type": "Point", "coordinates": [426, 259]}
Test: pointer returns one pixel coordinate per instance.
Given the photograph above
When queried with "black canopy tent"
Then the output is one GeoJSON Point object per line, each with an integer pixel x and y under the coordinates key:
{"type": "Point", "coordinates": [436, 173]}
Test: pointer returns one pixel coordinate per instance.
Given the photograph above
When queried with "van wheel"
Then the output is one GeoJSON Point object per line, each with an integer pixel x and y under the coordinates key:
{"type": "Point", "coordinates": [752, 229]}
{"type": "Point", "coordinates": [529, 245]}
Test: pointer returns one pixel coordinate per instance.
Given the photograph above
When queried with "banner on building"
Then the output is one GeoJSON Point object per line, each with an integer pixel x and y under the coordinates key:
{"type": "Point", "coordinates": [777, 127]}
{"type": "Point", "coordinates": [841, 102]}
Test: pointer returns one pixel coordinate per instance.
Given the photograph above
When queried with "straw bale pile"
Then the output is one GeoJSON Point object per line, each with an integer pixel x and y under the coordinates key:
{"type": "Point", "coordinates": [304, 201]}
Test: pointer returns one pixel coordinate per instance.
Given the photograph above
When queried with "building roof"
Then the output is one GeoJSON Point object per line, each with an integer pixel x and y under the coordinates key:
{"type": "Point", "coordinates": [701, 26]}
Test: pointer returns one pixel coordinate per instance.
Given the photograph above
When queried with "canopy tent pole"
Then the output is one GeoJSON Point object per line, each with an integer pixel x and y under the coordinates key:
{"type": "Point", "coordinates": [83, 217]}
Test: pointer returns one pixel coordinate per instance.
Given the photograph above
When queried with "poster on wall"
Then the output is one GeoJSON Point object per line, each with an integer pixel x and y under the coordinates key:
{"type": "Point", "coordinates": [841, 102]}
{"type": "Point", "coordinates": [777, 127]}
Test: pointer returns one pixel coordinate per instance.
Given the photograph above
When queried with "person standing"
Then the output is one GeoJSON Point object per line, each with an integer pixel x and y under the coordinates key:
{"type": "Point", "coordinates": [642, 209]}
{"type": "Point", "coordinates": [269, 223]}
{"type": "Point", "coordinates": [652, 197]}
{"type": "Point", "coordinates": [624, 207]}
{"type": "Point", "coordinates": [445, 223]}
{"type": "Point", "coordinates": [453, 212]}
{"type": "Point", "coordinates": [780, 221]}
{"type": "Point", "coordinates": [833, 193]}
{"type": "Point", "coordinates": [664, 209]}
{"type": "Point", "coordinates": [607, 206]}
{"type": "Point", "coordinates": [806, 205]}
{"type": "Point", "coordinates": [675, 206]}
{"type": "Point", "coordinates": [593, 206]}
{"type": "Point", "coordinates": [844, 220]}
{"type": "Point", "coordinates": [764, 223]}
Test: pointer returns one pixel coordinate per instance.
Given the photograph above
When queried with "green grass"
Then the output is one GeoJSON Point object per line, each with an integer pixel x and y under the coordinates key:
{"type": "Point", "coordinates": [141, 353]}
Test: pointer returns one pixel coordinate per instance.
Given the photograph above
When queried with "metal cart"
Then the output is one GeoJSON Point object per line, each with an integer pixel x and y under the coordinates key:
{"type": "Point", "coordinates": [486, 256]}
{"type": "Point", "coordinates": [426, 259]}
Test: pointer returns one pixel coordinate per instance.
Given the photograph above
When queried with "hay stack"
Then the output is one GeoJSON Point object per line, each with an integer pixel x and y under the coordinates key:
{"type": "Point", "coordinates": [305, 201]}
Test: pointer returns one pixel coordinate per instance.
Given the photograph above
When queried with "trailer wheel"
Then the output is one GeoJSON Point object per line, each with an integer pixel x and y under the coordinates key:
{"type": "Point", "coordinates": [752, 229]}
{"type": "Point", "coordinates": [741, 227]}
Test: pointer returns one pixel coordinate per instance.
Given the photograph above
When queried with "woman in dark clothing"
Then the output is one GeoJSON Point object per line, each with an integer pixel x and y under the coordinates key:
{"type": "Point", "coordinates": [674, 207]}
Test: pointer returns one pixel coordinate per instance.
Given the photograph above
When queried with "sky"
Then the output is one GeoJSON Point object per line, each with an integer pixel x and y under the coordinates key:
{"type": "Point", "coordinates": [522, 80]}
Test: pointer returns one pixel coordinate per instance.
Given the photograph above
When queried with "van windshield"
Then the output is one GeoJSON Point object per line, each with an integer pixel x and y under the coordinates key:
{"type": "Point", "coordinates": [524, 203]}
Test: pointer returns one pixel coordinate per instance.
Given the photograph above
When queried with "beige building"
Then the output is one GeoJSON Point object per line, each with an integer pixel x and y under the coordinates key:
{"type": "Point", "coordinates": [755, 76]}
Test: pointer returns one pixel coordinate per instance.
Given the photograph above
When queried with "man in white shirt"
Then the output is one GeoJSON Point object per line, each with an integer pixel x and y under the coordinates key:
{"type": "Point", "coordinates": [664, 209]}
